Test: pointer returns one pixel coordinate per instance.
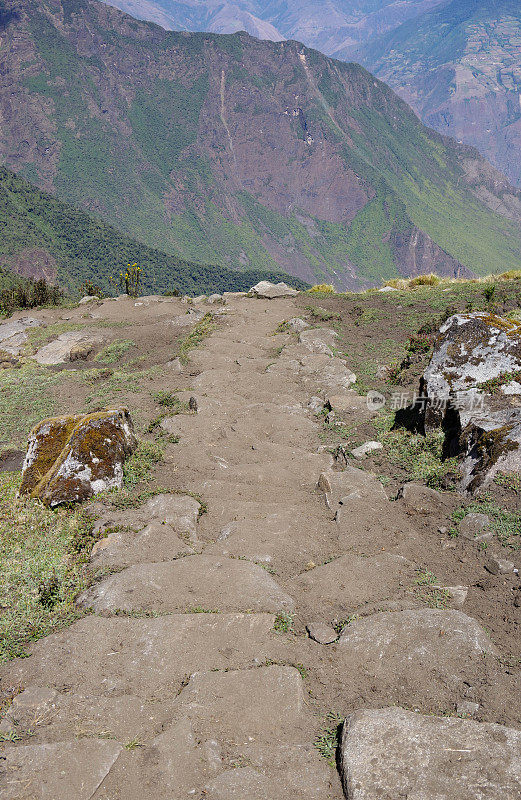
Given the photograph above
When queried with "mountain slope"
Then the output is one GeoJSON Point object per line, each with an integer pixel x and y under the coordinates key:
{"type": "Point", "coordinates": [43, 237]}
{"type": "Point", "coordinates": [459, 66]}
{"type": "Point", "coordinates": [224, 149]}
{"type": "Point", "coordinates": [332, 26]}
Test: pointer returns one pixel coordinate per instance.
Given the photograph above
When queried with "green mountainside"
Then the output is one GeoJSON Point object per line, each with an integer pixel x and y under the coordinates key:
{"type": "Point", "coordinates": [41, 236]}
{"type": "Point", "coordinates": [253, 155]}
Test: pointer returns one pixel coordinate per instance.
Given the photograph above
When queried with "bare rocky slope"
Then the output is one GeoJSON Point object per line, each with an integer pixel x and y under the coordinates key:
{"type": "Point", "coordinates": [247, 154]}
{"type": "Point", "coordinates": [227, 642]}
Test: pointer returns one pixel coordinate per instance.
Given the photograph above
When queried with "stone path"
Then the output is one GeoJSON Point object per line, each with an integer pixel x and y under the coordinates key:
{"type": "Point", "coordinates": [195, 678]}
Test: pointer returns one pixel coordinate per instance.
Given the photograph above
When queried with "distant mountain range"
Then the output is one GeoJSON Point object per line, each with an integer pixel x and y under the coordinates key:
{"type": "Point", "coordinates": [456, 62]}
{"type": "Point", "coordinates": [333, 26]}
{"type": "Point", "coordinates": [459, 67]}
{"type": "Point", "coordinates": [250, 154]}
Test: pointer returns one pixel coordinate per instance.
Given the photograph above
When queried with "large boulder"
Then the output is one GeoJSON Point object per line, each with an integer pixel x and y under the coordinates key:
{"type": "Point", "coordinates": [72, 458]}
{"type": "Point", "coordinates": [392, 753]}
{"type": "Point", "coordinates": [470, 389]}
{"type": "Point", "coordinates": [269, 291]}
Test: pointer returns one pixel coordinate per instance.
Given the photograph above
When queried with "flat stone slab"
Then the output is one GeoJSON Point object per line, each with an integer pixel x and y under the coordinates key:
{"type": "Point", "coordinates": [319, 340]}
{"type": "Point", "coordinates": [13, 334]}
{"type": "Point", "coordinates": [350, 581]}
{"type": "Point", "coordinates": [52, 716]}
{"type": "Point", "coordinates": [59, 351]}
{"type": "Point", "coordinates": [392, 753]}
{"type": "Point", "coordinates": [203, 582]}
{"type": "Point", "coordinates": [145, 657]}
{"type": "Point", "coordinates": [64, 771]}
{"type": "Point", "coordinates": [157, 541]}
{"type": "Point", "coordinates": [351, 484]}
{"type": "Point", "coordinates": [418, 656]}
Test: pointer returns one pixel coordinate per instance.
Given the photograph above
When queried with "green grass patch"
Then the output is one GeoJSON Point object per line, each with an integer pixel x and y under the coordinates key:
{"type": "Point", "coordinates": [115, 351]}
{"type": "Point", "coordinates": [328, 740]}
{"type": "Point", "coordinates": [43, 557]}
{"type": "Point", "coordinates": [283, 622]}
{"type": "Point", "coordinates": [137, 469]}
{"type": "Point", "coordinates": [505, 524]}
{"type": "Point", "coordinates": [26, 397]}
{"type": "Point", "coordinates": [420, 456]}
{"type": "Point", "coordinates": [198, 334]}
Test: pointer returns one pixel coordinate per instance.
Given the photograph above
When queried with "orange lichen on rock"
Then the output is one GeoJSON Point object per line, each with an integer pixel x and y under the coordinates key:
{"type": "Point", "coordinates": [71, 458]}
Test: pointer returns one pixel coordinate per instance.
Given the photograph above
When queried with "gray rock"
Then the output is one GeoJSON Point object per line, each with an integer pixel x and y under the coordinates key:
{"type": "Point", "coordinates": [499, 566]}
{"type": "Point", "coordinates": [71, 458]}
{"type": "Point", "coordinates": [199, 299]}
{"type": "Point", "coordinates": [13, 334]}
{"type": "Point", "coordinates": [215, 298]}
{"type": "Point", "coordinates": [175, 365]}
{"type": "Point", "coordinates": [321, 632]}
{"type": "Point", "coordinates": [366, 449]}
{"type": "Point", "coordinates": [467, 709]}
{"type": "Point", "coordinates": [470, 350]}
{"type": "Point", "coordinates": [319, 340]}
{"type": "Point", "coordinates": [392, 753]}
{"type": "Point", "coordinates": [316, 404]}
{"type": "Point", "coordinates": [484, 430]}
{"type": "Point", "coordinates": [297, 325]}
{"type": "Point", "coordinates": [351, 483]}
{"type": "Point", "coordinates": [388, 289]}
{"type": "Point", "coordinates": [89, 298]}
{"type": "Point", "coordinates": [472, 525]}
{"type": "Point", "coordinates": [420, 499]}
{"type": "Point", "coordinates": [61, 349]}
{"type": "Point", "coordinates": [270, 291]}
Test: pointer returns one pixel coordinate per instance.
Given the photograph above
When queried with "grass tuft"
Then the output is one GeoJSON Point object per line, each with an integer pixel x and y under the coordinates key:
{"type": "Point", "coordinates": [44, 556]}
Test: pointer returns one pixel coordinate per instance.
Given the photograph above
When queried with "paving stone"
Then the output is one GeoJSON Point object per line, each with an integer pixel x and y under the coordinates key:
{"type": "Point", "coordinates": [145, 657]}
{"type": "Point", "coordinates": [200, 581]}
{"type": "Point", "coordinates": [64, 771]}
{"type": "Point", "coordinates": [349, 582]}
{"type": "Point", "coordinates": [419, 656]}
{"type": "Point", "coordinates": [392, 753]}
{"type": "Point", "coordinates": [158, 541]}
{"type": "Point", "coordinates": [420, 499]}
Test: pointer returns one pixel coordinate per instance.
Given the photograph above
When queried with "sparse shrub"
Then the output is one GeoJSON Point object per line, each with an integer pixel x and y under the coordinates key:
{"type": "Point", "coordinates": [131, 279]}
{"type": "Point", "coordinates": [425, 280]}
{"type": "Point", "coordinates": [489, 292]}
{"type": "Point", "coordinates": [29, 294]}
{"type": "Point", "coordinates": [283, 622]}
{"type": "Point", "coordinates": [511, 275]}
{"type": "Point", "coordinates": [323, 288]}
{"type": "Point", "coordinates": [138, 467]}
{"type": "Point", "coordinates": [92, 290]}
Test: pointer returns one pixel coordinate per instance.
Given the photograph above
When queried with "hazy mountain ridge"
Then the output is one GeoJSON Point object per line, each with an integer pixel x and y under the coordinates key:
{"type": "Point", "coordinates": [225, 149]}
{"type": "Point", "coordinates": [333, 26]}
{"type": "Point", "coordinates": [459, 66]}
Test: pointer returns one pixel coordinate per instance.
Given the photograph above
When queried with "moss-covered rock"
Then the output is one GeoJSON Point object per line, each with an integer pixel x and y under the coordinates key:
{"type": "Point", "coordinates": [72, 458]}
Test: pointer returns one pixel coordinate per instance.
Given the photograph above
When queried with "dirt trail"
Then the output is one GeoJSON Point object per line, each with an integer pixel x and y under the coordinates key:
{"type": "Point", "coordinates": [195, 677]}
